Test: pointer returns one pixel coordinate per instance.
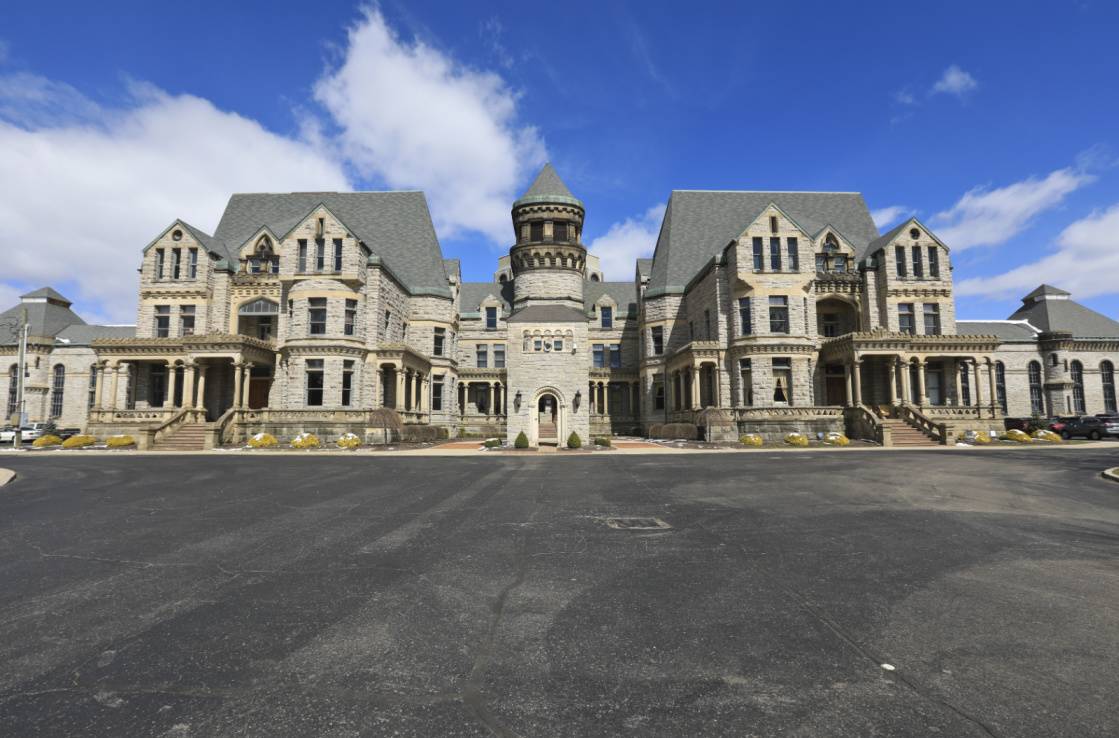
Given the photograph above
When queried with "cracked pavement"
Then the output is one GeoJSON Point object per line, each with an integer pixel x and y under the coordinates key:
{"type": "Point", "coordinates": [291, 596]}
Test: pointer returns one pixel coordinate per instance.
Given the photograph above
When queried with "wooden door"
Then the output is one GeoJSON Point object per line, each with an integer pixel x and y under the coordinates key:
{"type": "Point", "coordinates": [258, 391]}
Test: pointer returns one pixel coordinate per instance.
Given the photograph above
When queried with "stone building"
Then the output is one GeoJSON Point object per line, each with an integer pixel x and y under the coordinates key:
{"type": "Point", "coordinates": [759, 311]}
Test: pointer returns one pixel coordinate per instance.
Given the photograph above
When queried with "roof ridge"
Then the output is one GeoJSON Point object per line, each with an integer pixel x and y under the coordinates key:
{"type": "Point", "coordinates": [775, 192]}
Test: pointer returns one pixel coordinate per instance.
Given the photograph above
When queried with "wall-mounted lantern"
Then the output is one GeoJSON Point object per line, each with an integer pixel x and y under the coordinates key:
{"type": "Point", "coordinates": [517, 401]}
{"type": "Point", "coordinates": [577, 400]}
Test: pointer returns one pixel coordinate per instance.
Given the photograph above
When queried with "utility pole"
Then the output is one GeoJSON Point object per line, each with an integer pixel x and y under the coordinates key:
{"type": "Point", "coordinates": [21, 369]}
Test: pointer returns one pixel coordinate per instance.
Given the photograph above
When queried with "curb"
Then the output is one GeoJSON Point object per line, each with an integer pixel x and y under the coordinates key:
{"type": "Point", "coordinates": [1112, 474]}
{"type": "Point", "coordinates": [6, 475]}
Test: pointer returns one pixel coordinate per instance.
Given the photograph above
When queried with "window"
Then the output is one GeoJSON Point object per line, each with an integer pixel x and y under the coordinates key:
{"type": "Point", "coordinates": [745, 371]}
{"type": "Point", "coordinates": [1107, 377]}
{"type": "Point", "coordinates": [351, 317]}
{"type": "Point", "coordinates": [92, 386]}
{"type": "Point", "coordinates": [437, 344]}
{"type": "Point", "coordinates": [302, 266]}
{"type": "Point", "coordinates": [598, 356]}
{"type": "Point", "coordinates": [773, 224]}
{"type": "Point", "coordinates": [918, 269]}
{"type": "Point", "coordinates": [558, 344]}
{"type": "Point", "coordinates": [159, 254]}
{"type": "Point", "coordinates": [839, 264]}
{"type": "Point", "coordinates": [176, 258]}
{"type": "Point", "coordinates": [932, 319]}
{"type": "Point", "coordinates": [192, 264]}
{"type": "Point", "coordinates": [437, 392]}
{"type": "Point", "coordinates": [782, 381]}
{"type": "Point", "coordinates": [606, 313]}
{"type": "Point", "coordinates": [615, 356]}
{"type": "Point", "coordinates": [905, 318]}
{"type": "Point", "coordinates": [1037, 407]}
{"type": "Point", "coordinates": [491, 319]}
{"type": "Point", "coordinates": [313, 378]}
{"type": "Point", "coordinates": [794, 254]}
{"type": "Point", "coordinates": [821, 263]}
{"type": "Point", "coordinates": [316, 315]}
{"type": "Point", "coordinates": [1053, 360]}
{"type": "Point", "coordinates": [482, 356]}
{"type": "Point", "coordinates": [1078, 387]}
{"type": "Point", "coordinates": [186, 320]}
{"type": "Point", "coordinates": [934, 262]}
{"type": "Point", "coordinates": [388, 319]}
{"type": "Point", "coordinates": [162, 321]}
{"type": "Point", "coordinates": [536, 231]}
{"type": "Point", "coordinates": [13, 390]}
{"type": "Point", "coordinates": [538, 344]}
{"type": "Point", "coordinates": [559, 231]}
{"type": "Point", "coordinates": [899, 260]}
{"type": "Point", "coordinates": [347, 382]}
{"type": "Point", "coordinates": [1000, 384]}
{"type": "Point", "coordinates": [707, 325]}
{"type": "Point", "coordinates": [657, 335]}
{"type": "Point", "coordinates": [759, 264]}
{"type": "Point", "coordinates": [965, 384]}
{"type": "Point", "coordinates": [499, 356]}
{"type": "Point", "coordinates": [745, 321]}
{"type": "Point", "coordinates": [337, 254]}
{"type": "Point", "coordinates": [830, 321]}
{"type": "Point", "coordinates": [658, 395]}
{"type": "Point", "coordinates": [264, 327]}
{"type": "Point", "coordinates": [58, 388]}
{"type": "Point", "coordinates": [775, 254]}
{"type": "Point", "coordinates": [779, 314]}
{"type": "Point", "coordinates": [320, 255]}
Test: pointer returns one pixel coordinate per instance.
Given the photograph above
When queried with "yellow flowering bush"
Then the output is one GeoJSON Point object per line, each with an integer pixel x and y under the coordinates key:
{"type": "Point", "coordinates": [80, 441]}
{"type": "Point", "coordinates": [981, 438]}
{"type": "Point", "coordinates": [1016, 435]}
{"type": "Point", "coordinates": [836, 439]}
{"type": "Point", "coordinates": [751, 439]}
{"type": "Point", "coordinates": [263, 440]}
{"type": "Point", "coordinates": [305, 441]}
{"type": "Point", "coordinates": [1048, 436]}
{"type": "Point", "coordinates": [120, 441]}
{"type": "Point", "coordinates": [796, 439]}
{"type": "Point", "coordinates": [348, 441]}
{"type": "Point", "coordinates": [44, 441]}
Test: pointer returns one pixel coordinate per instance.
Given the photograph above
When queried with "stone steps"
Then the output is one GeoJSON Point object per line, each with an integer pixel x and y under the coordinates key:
{"type": "Point", "coordinates": [903, 434]}
{"type": "Point", "coordinates": [185, 438]}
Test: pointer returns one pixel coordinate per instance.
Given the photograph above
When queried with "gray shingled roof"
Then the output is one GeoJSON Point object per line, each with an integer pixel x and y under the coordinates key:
{"type": "Point", "coordinates": [1046, 289]}
{"type": "Point", "coordinates": [49, 293]}
{"type": "Point", "coordinates": [453, 268]}
{"type": "Point", "coordinates": [624, 293]}
{"type": "Point", "coordinates": [547, 314]}
{"type": "Point", "coordinates": [1004, 330]}
{"type": "Point", "coordinates": [81, 335]}
{"type": "Point", "coordinates": [472, 294]}
{"type": "Point", "coordinates": [885, 238]}
{"type": "Point", "coordinates": [699, 224]}
{"type": "Point", "coordinates": [644, 266]}
{"type": "Point", "coordinates": [396, 226]}
{"type": "Point", "coordinates": [45, 319]}
{"type": "Point", "coordinates": [547, 187]}
{"type": "Point", "coordinates": [213, 245]}
{"type": "Point", "coordinates": [1064, 315]}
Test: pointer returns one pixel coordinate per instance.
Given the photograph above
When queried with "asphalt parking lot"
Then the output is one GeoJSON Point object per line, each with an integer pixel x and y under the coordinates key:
{"type": "Point", "coordinates": [283, 596]}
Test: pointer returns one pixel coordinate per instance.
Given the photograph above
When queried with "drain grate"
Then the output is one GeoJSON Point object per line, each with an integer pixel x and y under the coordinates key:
{"type": "Point", "coordinates": [637, 524]}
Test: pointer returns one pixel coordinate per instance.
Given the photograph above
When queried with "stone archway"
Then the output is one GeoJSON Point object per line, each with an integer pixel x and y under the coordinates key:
{"type": "Point", "coordinates": [549, 422]}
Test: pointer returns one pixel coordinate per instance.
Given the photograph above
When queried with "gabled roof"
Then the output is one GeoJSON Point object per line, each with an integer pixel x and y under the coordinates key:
{"type": "Point", "coordinates": [208, 242]}
{"type": "Point", "coordinates": [699, 224]}
{"type": "Point", "coordinates": [1051, 311]}
{"type": "Point", "coordinates": [893, 233]}
{"type": "Point", "coordinates": [1004, 330]}
{"type": "Point", "coordinates": [623, 293]}
{"type": "Point", "coordinates": [395, 226]}
{"type": "Point", "coordinates": [472, 293]}
{"type": "Point", "coordinates": [548, 187]}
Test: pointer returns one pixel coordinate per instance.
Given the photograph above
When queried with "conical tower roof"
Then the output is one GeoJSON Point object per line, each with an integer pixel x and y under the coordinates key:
{"type": "Point", "coordinates": [548, 187]}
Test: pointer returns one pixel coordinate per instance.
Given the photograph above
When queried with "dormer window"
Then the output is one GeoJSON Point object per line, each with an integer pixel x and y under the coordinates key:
{"type": "Point", "coordinates": [607, 315]}
{"type": "Point", "coordinates": [491, 319]}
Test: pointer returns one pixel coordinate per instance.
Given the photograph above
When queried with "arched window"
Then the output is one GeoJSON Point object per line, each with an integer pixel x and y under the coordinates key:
{"type": "Point", "coordinates": [92, 385]}
{"type": "Point", "coordinates": [1037, 407]}
{"type": "Point", "coordinates": [13, 391]}
{"type": "Point", "coordinates": [1078, 387]}
{"type": "Point", "coordinates": [58, 387]}
{"type": "Point", "coordinates": [1000, 384]}
{"type": "Point", "coordinates": [1107, 376]}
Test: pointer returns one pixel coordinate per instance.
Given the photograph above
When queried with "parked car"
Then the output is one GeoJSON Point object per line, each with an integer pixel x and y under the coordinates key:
{"type": "Point", "coordinates": [1110, 424]}
{"type": "Point", "coordinates": [65, 433]}
{"type": "Point", "coordinates": [28, 433]}
{"type": "Point", "coordinates": [7, 434]}
{"type": "Point", "coordinates": [1058, 424]}
{"type": "Point", "coordinates": [1088, 426]}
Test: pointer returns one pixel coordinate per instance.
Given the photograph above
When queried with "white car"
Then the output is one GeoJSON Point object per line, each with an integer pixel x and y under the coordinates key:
{"type": "Point", "coordinates": [28, 433]}
{"type": "Point", "coordinates": [7, 434]}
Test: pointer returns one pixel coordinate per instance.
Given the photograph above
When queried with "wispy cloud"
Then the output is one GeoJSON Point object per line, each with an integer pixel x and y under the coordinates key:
{"type": "Point", "coordinates": [1084, 262]}
{"type": "Point", "coordinates": [492, 34]}
{"type": "Point", "coordinates": [5, 50]}
{"type": "Point", "coordinates": [889, 216]}
{"type": "Point", "coordinates": [954, 81]}
{"type": "Point", "coordinates": [639, 48]}
{"type": "Point", "coordinates": [905, 96]}
{"type": "Point", "coordinates": [631, 239]}
{"type": "Point", "coordinates": [988, 217]}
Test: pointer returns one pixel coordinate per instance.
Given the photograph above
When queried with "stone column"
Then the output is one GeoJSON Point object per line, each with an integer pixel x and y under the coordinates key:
{"type": "Point", "coordinates": [906, 380]}
{"type": "Point", "coordinates": [856, 381]}
{"type": "Point", "coordinates": [398, 400]}
{"type": "Point", "coordinates": [717, 385]}
{"type": "Point", "coordinates": [959, 383]}
{"type": "Point", "coordinates": [113, 396]}
{"type": "Point", "coordinates": [977, 386]}
{"type": "Point", "coordinates": [921, 382]}
{"type": "Point", "coordinates": [848, 377]}
{"type": "Point", "coordinates": [991, 382]}
{"type": "Point", "coordinates": [98, 399]}
{"type": "Point", "coordinates": [892, 381]}
{"type": "Point", "coordinates": [188, 386]}
{"type": "Point", "coordinates": [695, 388]}
{"type": "Point", "coordinates": [606, 398]}
{"type": "Point", "coordinates": [245, 387]}
{"type": "Point", "coordinates": [201, 403]}
{"type": "Point", "coordinates": [238, 375]}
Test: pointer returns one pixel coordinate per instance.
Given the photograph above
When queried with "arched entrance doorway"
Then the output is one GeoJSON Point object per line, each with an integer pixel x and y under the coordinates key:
{"type": "Point", "coordinates": [548, 425]}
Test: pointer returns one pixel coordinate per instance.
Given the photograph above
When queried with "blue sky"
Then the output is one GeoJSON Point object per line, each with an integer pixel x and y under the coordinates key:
{"type": "Point", "coordinates": [994, 123]}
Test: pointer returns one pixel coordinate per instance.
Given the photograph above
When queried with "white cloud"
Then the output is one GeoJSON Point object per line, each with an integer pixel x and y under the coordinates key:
{"type": "Point", "coordinates": [955, 81]}
{"type": "Point", "coordinates": [889, 216]}
{"type": "Point", "coordinates": [986, 217]}
{"type": "Point", "coordinates": [82, 194]}
{"type": "Point", "coordinates": [905, 96]}
{"type": "Point", "coordinates": [1085, 263]}
{"type": "Point", "coordinates": [412, 117]}
{"type": "Point", "coordinates": [624, 242]}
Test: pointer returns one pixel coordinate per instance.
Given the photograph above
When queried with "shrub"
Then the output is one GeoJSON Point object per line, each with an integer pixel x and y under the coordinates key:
{"type": "Point", "coordinates": [574, 441]}
{"type": "Point", "coordinates": [655, 430]}
{"type": "Point", "coordinates": [493, 442]}
{"type": "Point", "coordinates": [47, 440]}
{"type": "Point", "coordinates": [979, 438]}
{"type": "Point", "coordinates": [49, 428]}
{"type": "Point", "coordinates": [1016, 435]}
{"type": "Point", "coordinates": [751, 439]}
{"type": "Point", "coordinates": [602, 441]}
{"type": "Point", "coordinates": [678, 431]}
{"type": "Point", "coordinates": [120, 441]}
{"type": "Point", "coordinates": [263, 440]}
{"type": "Point", "coordinates": [305, 440]}
{"type": "Point", "coordinates": [522, 440]}
{"type": "Point", "coordinates": [79, 441]}
{"type": "Point", "coordinates": [836, 439]}
{"type": "Point", "coordinates": [422, 433]}
{"type": "Point", "coordinates": [796, 439]}
{"type": "Point", "coordinates": [1048, 436]}
{"type": "Point", "coordinates": [348, 441]}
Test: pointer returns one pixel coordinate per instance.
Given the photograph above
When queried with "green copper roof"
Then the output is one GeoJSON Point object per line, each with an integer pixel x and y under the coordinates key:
{"type": "Point", "coordinates": [548, 187]}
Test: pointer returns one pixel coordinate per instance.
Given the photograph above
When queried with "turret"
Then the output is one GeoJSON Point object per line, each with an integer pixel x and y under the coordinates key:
{"type": "Point", "coordinates": [548, 259]}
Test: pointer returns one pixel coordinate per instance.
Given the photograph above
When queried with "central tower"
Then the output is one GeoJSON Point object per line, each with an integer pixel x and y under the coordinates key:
{"type": "Point", "coordinates": [548, 258]}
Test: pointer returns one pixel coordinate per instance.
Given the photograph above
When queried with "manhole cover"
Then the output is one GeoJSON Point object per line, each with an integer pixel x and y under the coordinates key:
{"type": "Point", "coordinates": [637, 524]}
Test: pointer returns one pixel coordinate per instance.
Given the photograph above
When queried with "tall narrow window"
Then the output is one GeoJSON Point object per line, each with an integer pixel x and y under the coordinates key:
{"type": "Point", "coordinates": [162, 321]}
{"type": "Point", "coordinates": [1037, 406]}
{"type": "Point", "coordinates": [58, 389]}
{"type": "Point", "coordinates": [656, 333]}
{"type": "Point", "coordinates": [965, 384]}
{"type": "Point", "coordinates": [745, 319]}
{"type": "Point", "coordinates": [918, 269]}
{"type": "Point", "coordinates": [337, 254]}
{"type": "Point", "coordinates": [794, 254]}
{"type": "Point", "coordinates": [658, 394]}
{"type": "Point", "coordinates": [1078, 387]}
{"type": "Point", "coordinates": [905, 318]}
{"type": "Point", "coordinates": [779, 314]}
{"type": "Point", "coordinates": [301, 267]}
{"type": "Point", "coordinates": [606, 313]}
{"type": "Point", "coordinates": [437, 393]}
{"type": "Point", "coordinates": [932, 319]}
{"type": "Point", "coordinates": [934, 262]}
{"type": "Point", "coordinates": [482, 356]}
{"type": "Point", "coordinates": [775, 254]}
{"type": "Point", "coordinates": [348, 326]}
{"type": "Point", "coordinates": [598, 356]}
{"type": "Point", "coordinates": [830, 324]}
{"type": "Point", "coordinates": [320, 255]}
{"type": "Point", "coordinates": [759, 258]}
{"type": "Point", "coordinates": [536, 231]}
{"type": "Point", "coordinates": [491, 319]}
{"type": "Point", "coordinates": [159, 257]}
{"type": "Point", "coordinates": [782, 381]}
{"type": "Point", "coordinates": [899, 260]}
{"type": "Point", "coordinates": [559, 232]}
{"type": "Point", "coordinates": [92, 386]}
{"type": "Point", "coordinates": [707, 325]}
{"type": "Point", "coordinates": [1000, 385]}
{"type": "Point", "coordinates": [1107, 377]}
{"type": "Point", "coordinates": [745, 372]}
{"type": "Point", "coordinates": [176, 263]}
{"type": "Point", "coordinates": [388, 319]}
{"type": "Point", "coordinates": [313, 379]}
{"type": "Point", "coordinates": [615, 356]}
{"type": "Point", "coordinates": [347, 382]}
{"type": "Point", "coordinates": [438, 341]}
{"type": "Point", "coordinates": [773, 224]}
{"type": "Point", "coordinates": [499, 356]}
{"type": "Point", "coordinates": [316, 315]}
{"type": "Point", "coordinates": [186, 320]}
{"type": "Point", "coordinates": [192, 264]}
